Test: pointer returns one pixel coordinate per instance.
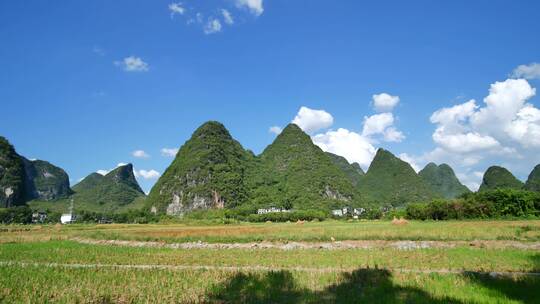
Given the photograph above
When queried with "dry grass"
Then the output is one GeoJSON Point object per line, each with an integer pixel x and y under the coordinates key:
{"type": "Point", "coordinates": [399, 222]}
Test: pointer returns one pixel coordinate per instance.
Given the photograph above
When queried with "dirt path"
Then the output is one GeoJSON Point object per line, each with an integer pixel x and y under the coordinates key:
{"type": "Point", "coordinates": [338, 245]}
{"type": "Point", "coordinates": [256, 268]}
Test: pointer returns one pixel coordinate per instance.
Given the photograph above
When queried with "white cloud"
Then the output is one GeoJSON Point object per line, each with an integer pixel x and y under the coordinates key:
{"type": "Point", "coordinates": [275, 129]}
{"type": "Point", "coordinates": [254, 6]}
{"type": "Point", "coordinates": [525, 127]}
{"type": "Point", "coordinates": [384, 102]}
{"type": "Point", "coordinates": [150, 174]}
{"type": "Point", "coordinates": [527, 71]}
{"type": "Point", "coordinates": [227, 17]}
{"type": "Point", "coordinates": [504, 101]}
{"type": "Point", "coordinates": [140, 154]}
{"type": "Point", "coordinates": [411, 160]}
{"type": "Point", "coordinates": [463, 142]}
{"type": "Point", "coordinates": [102, 172]}
{"type": "Point", "coordinates": [504, 130]}
{"type": "Point", "coordinates": [310, 120]}
{"type": "Point", "coordinates": [212, 26]}
{"type": "Point", "coordinates": [471, 180]}
{"type": "Point", "coordinates": [353, 146]}
{"type": "Point", "coordinates": [382, 124]}
{"type": "Point", "coordinates": [455, 114]}
{"type": "Point", "coordinates": [376, 124]}
{"type": "Point", "coordinates": [132, 64]}
{"type": "Point", "coordinates": [169, 152]}
{"type": "Point", "coordinates": [176, 8]}
{"type": "Point", "coordinates": [393, 135]}
{"type": "Point", "coordinates": [505, 120]}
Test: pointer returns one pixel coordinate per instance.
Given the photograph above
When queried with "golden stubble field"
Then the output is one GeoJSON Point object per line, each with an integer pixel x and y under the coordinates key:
{"type": "Point", "coordinates": [417, 262]}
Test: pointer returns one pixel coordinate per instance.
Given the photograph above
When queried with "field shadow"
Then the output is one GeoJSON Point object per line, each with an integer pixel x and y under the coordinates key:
{"type": "Point", "coordinates": [359, 286]}
{"type": "Point", "coordinates": [525, 289]}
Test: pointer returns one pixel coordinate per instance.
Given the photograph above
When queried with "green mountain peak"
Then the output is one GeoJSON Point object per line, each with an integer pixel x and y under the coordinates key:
{"type": "Point", "coordinates": [497, 177]}
{"type": "Point", "coordinates": [294, 172]}
{"type": "Point", "coordinates": [124, 175]}
{"type": "Point", "coordinates": [390, 180]}
{"type": "Point", "coordinates": [208, 172]}
{"type": "Point", "coordinates": [533, 181]}
{"type": "Point", "coordinates": [442, 180]}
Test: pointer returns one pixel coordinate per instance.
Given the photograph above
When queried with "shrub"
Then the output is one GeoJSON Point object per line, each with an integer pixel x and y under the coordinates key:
{"type": "Point", "coordinates": [302, 215]}
{"type": "Point", "coordinates": [500, 203]}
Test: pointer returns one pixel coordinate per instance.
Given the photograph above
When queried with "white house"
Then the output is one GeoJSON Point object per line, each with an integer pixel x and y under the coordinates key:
{"type": "Point", "coordinates": [358, 211]}
{"type": "Point", "coordinates": [67, 218]}
{"type": "Point", "coordinates": [337, 212]}
{"type": "Point", "coordinates": [272, 210]}
{"type": "Point", "coordinates": [341, 212]}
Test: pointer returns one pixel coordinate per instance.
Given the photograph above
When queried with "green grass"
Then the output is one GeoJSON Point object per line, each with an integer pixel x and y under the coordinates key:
{"type": "Point", "coordinates": [461, 258]}
{"type": "Point", "coordinates": [63, 285]}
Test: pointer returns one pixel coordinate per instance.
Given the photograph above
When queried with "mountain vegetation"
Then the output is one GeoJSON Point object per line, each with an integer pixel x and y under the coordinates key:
{"type": "Point", "coordinates": [499, 203]}
{"type": "Point", "coordinates": [353, 171]}
{"type": "Point", "coordinates": [392, 181]}
{"type": "Point", "coordinates": [117, 191]}
{"type": "Point", "coordinates": [118, 186]}
{"type": "Point", "coordinates": [497, 177]}
{"type": "Point", "coordinates": [533, 181]}
{"type": "Point", "coordinates": [292, 172]}
{"type": "Point", "coordinates": [22, 180]}
{"type": "Point", "coordinates": [12, 176]}
{"type": "Point", "coordinates": [208, 172]}
{"type": "Point", "coordinates": [442, 180]}
{"type": "Point", "coordinates": [44, 181]}
{"type": "Point", "coordinates": [213, 171]}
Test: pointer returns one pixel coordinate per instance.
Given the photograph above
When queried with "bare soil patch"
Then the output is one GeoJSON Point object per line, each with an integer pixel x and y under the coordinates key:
{"type": "Point", "coordinates": [337, 245]}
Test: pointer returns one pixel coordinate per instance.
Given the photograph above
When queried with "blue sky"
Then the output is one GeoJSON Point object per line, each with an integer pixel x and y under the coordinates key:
{"type": "Point", "coordinates": [84, 84]}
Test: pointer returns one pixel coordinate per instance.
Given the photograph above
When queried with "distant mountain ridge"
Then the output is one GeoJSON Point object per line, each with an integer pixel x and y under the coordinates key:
{"type": "Point", "coordinates": [118, 186]}
{"type": "Point", "coordinates": [390, 180]}
{"type": "Point", "coordinates": [212, 170]}
{"type": "Point", "coordinates": [497, 177]}
{"type": "Point", "coordinates": [292, 172]}
{"type": "Point", "coordinates": [117, 190]}
{"type": "Point", "coordinates": [22, 180]}
{"type": "Point", "coordinates": [442, 180]}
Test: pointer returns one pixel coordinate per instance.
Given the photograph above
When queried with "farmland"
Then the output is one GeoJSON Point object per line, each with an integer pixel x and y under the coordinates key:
{"type": "Point", "coordinates": [420, 262]}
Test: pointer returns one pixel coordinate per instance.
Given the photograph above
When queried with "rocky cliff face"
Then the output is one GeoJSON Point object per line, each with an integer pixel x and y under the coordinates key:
{"type": "Point", "coordinates": [497, 177]}
{"type": "Point", "coordinates": [12, 176]}
{"type": "Point", "coordinates": [45, 181]}
{"type": "Point", "coordinates": [208, 172]}
{"type": "Point", "coordinates": [390, 180]}
{"type": "Point", "coordinates": [22, 180]}
{"type": "Point", "coordinates": [443, 181]}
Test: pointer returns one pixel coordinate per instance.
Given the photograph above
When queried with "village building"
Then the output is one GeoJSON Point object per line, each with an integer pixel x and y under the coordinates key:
{"type": "Point", "coordinates": [39, 217]}
{"type": "Point", "coordinates": [67, 218]}
{"type": "Point", "coordinates": [358, 211]}
{"type": "Point", "coordinates": [340, 212]}
{"type": "Point", "coordinates": [272, 210]}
